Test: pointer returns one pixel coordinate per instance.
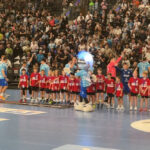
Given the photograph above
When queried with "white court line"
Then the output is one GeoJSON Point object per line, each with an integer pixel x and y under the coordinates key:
{"type": "Point", "coordinates": [78, 147]}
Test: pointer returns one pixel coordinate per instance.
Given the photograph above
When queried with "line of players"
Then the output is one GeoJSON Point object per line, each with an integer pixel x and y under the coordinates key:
{"type": "Point", "coordinates": [61, 88]}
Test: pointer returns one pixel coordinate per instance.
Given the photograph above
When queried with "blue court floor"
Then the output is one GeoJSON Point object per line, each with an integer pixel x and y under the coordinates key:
{"type": "Point", "coordinates": [39, 128]}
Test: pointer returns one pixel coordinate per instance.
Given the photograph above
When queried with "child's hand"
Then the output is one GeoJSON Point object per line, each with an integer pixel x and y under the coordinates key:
{"type": "Point", "coordinates": [18, 86]}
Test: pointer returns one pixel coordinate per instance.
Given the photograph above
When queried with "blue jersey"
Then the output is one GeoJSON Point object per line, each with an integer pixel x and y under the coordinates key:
{"type": "Point", "coordinates": [44, 67]}
{"type": "Point", "coordinates": [3, 66]}
{"type": "Point", "coordinates": [143, 66]}
{"type": "Point", "coordinates": [85, 78]}
{"type": "Point", "coordinates": [125, 74]}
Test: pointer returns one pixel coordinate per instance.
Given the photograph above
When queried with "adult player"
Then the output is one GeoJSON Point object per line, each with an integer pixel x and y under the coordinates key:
{"type": "Point", "coordinates": [125, 73]}
{"type": "Point", "coordinates": [3, 78]}
{"type": "Point", "coordinates": [44, 67]}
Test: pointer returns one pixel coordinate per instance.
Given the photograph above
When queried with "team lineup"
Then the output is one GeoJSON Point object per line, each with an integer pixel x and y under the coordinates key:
{"type": "Point", "coordinates": [81, 87]}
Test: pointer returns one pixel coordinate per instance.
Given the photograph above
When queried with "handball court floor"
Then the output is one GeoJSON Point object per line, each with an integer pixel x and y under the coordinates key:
{"type": "Point", "coordinates": [40, 128]}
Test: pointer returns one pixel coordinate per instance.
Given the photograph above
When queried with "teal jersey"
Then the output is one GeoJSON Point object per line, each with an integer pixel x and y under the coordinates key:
{"type": "Point", "coordinates": [143, 66]}
{"type": "Point", "coordinates": [3, 66]}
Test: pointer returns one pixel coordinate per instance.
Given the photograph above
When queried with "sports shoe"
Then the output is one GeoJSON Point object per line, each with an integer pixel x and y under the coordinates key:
{"type": "Point", "coordinates": [32, 101]}
{"type": "Point", "coordinates": [131, 108]}
{"type": "Point", "coordinates": [94, 106]}
{"type": "Point", "coordinates": [135, 108]}
{"type": "Point", "coordinates": [122, 107]}
{"type": "Point", "coordinates": [108, 106]}
{"type": "Point", "coordinates": [6, 95]}
{"type": "Point", "coordinates": [118, 107]}
{"type": "Point", "coordinates": [112, 106]}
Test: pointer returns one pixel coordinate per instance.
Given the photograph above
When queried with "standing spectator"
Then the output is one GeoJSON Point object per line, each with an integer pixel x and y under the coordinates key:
{"type": "Point", "coordinates": [143, 66]}
{"type": "Point", "coordinates": [44, 67]}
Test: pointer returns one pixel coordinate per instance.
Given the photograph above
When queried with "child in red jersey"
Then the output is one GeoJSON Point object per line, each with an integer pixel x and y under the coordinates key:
{"type": "Point", "coordinates": [42, 85]}
{"type": "Point", "coordinates": [91, 90]}
{"type": "Point", "coordinates": [100, 86]}
{"type": "Point", "coordinates": [23, 85]}
{"type": "Point", "coordinates": [144, 85]}
{"type": "Point", "coordinates": [63, 81]}
{"type": "Point", "coordinates": [56, 87]}
{"type": "Point", "coordinates": [51, 87]}
{"type": "Point", "coordinates": [48, 87]}
{"type": "Point", "coordinates": [119, 94]}
{"type": "Point", "coordinates": [34, 83]}
{"type": "Point", "coordinates": [110, 90]}
{"type": "Point", "coordinates": [71, 85]}
{"type": "Point", "coordinates": [134, 90]}
{"type": "Point", "coordinates": [76, 88]}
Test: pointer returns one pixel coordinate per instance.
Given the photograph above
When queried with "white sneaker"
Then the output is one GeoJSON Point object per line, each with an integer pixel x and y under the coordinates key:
{"type": "Point", "coordinates": [108, 106]}
{"type": "Point", "coordinates": [118, 107]}
{"type": "Point", "coordinates": [122, 107]}
{"type": "Point", "coordinates": [32, 101]}
{"type": "Point", "coordinates": [135, 108]}
{"type": "Point", "coordinates": [131, 108]}
{"type": "Point", "coordinates": [6, 95]}
{"type": "Point", "coordinates": [113, 106]}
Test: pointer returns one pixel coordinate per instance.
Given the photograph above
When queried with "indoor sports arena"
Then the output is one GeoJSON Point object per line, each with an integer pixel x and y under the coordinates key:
{"type": "Point", "coordinates": [74, 74]}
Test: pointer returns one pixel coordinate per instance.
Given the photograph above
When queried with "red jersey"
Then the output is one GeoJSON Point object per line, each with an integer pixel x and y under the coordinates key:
{"type": "Point", "coordinates": [23, 81]}
{"type": "Point", "coordinates": [144, 84]}
{"type": "Point", "coordinates": [71, 84]}
{"type": "Point", "coordinates": [119, 90]}
{"type": "Point", "coordinates": [91, 88]}
{"type": "Point", "coordinates": [63, 80]}
{"type": "Point", "coordinates": [51, 85]}
{"type": "Point", "coordinates": [110, 86]}
{"type": "Point", "coordinates": [134, 84]}
{"type": "Point", "coordinates": [56, 84]}
{"type": "Point", "coordinates": [43, 80]}
{"type": "Point", "coordinates": [100, 84]}
{"type": "Point", "coordinates": [76, 85]}
{"type": "Point", "coordinates": [34, 79]}
{"type": "Point", "coordinates": [49, 79]}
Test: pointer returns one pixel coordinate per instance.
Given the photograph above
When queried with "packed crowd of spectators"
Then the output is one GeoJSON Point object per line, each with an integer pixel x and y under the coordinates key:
{"type": "Point", "coordinates": [104, 32]}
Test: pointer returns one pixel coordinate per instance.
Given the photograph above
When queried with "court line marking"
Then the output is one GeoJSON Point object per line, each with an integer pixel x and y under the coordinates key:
{"type": "Point", "coordinates": [20, 111]}
{"type": "Point", "coordinates": [141, 125]}
{"type": "Point", "coordinates": [78, 147]}
{"type": "Point", "coordinates": [3, 119]}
